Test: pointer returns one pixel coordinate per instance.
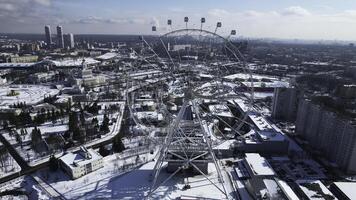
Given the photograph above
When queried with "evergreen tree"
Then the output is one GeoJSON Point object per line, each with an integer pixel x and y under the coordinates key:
{"type": "Point", "coordinates": [82, 117]}
{"type": "Point", "coordinates": [103, 151]}
{"type": "Point", "coordinates": [95, 123]}
{"type": "Point", "coordinates": [5, 124]}
{"type": "Point", "coordinates": [105, 124]}
{"type": "Point", "coordinates": [118, 145]}
{"type": "Point", "coordinates": [53, 163]}
{"type": "Point", "coordinates": [73, 121]}
{"type": "Point", "coordinates": [36, 137]}
{"type": "Point", "coordinates": [53, 116]}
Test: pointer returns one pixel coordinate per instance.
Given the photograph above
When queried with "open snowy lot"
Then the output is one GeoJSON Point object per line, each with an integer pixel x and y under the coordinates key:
{"type": "Point", "coordinates": [27, 185]}
{"type": "Point", "coordinates": [95, 184]}
{"type": "Point", "coordinates": [26, 151]}
{"type": "Point", "coordinates": [31, 94]}
{"type": "Point", "coordinates": [116, 181]}
{"type": "Point", "coordinates": [8, 165]}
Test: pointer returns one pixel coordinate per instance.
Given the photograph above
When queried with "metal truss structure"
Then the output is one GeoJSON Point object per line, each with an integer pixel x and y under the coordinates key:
{"type": "Point", "coordinates": [187, 146]}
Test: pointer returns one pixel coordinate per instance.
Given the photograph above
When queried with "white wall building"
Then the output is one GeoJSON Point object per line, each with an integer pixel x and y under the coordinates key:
{"type": "Point", "coordinates": [81, 163]}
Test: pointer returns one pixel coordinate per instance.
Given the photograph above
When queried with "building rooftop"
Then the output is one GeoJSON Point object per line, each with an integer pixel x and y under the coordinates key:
{"type": "Point", "coordinates": [287, 190]}
{"type": "Point", "coordinates": [221, 110]}
{"type": "Point", "coordinates": [271, 135]}
{"type": "Point", "coordinates": [107, 56]}
{"type": "Point", "coordinates": [259, 165]}
{"type": "Point", "coordinates": [80, 158]}
{"type": "Point", "coordinates": [73, 62]}
{"type": "Point", "coordinates": [348, 188]}
{"type": "Point", "coordinates": [260, 122]}
{"type": "Point", "coordinates": [315, 189]}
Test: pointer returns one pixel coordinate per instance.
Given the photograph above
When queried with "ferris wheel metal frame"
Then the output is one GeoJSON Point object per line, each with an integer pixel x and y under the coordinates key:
{"type": "Point", "coordinates": [173, 128]}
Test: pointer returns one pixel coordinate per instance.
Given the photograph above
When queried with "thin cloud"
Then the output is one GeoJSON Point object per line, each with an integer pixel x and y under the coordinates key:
{"type": "Point", "coordinates": [100, 20]}
{"type": "Point", "coordinates": [295, 11]}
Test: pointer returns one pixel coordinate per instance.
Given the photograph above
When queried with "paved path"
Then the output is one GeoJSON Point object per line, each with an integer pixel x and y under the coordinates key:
{"type": "Point", "coordinates": [46, 187]}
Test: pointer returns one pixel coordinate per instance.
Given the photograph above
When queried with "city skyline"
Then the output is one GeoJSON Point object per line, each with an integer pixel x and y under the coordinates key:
{"type": "Point", "coordinates": [330, 20]}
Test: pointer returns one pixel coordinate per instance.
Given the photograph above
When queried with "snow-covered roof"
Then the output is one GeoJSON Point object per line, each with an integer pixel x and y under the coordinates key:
{"type": "Point", "coordinates": [143, 73]}
{"type": "Point", "coordinates": [149, 114]}
{"type": "Point", "coordinates": [271, 135]}
{"type": "Point", "coordinates": [348, 188]}
{"type": "Point", "coordinates": [258, 80]}
{"type": "Point", "coordinates": [206, 75]}
{"type": "Point", "coordinates": [316, 63]}
{"type": "Point", "coordinates": [259, 165]}
{"type": "Point", "coordinates": [107, 56]}
{"type": "Point", "coordinates": [273, 84]}
{"type": "Point", "coordinates": [313, 188]}
{"type": "Point", "coordinates": [76, 159]}
{"type": "Point", "coordinates": [73, 62]}
{"type": "Point", "coordinates": [260, 122]}
{"type": "Point", "coordinates": [221, 110]}
{"type": "Point", "coordinates": [287, 190]}
{"type": "Point", "coordinates": [240, 103]}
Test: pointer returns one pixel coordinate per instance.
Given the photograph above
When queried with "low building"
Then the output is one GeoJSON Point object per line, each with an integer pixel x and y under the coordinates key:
{"type": "Point", "coordinates": [23, 59]}
{"type": "Point", "coordinates": [313, 189]}
{"type": "Point", "coordinates": [344, 190]}
{"type": "Point", "coordinates": [258, 169]}
{"type": "Point", "coordinates": [80, 163]}
{"type": "Point", "coordinates": [263, 139]}
{"type": "Point", "coordinates": [94, 81]}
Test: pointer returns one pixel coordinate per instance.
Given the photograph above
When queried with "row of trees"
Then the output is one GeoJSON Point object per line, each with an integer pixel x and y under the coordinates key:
{"type": "Point", "coordinates": [79, 129]}
{"type": "Point", "coordinates": [36, 138]}
{"type": "Point", "coordinates": [24, 118]}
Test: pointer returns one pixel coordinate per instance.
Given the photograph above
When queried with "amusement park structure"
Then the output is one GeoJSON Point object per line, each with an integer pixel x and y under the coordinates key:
{"type": "Point", "coordinates": [180, 55]}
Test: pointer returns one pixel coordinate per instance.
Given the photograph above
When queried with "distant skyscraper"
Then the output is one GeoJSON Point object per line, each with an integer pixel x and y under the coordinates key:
{"type": "Point", "coordinates": [69, 40]}
{"type": "Point", "coordinates": [60, 41]}
{"type": "Point", "coordinates": [48, 35]}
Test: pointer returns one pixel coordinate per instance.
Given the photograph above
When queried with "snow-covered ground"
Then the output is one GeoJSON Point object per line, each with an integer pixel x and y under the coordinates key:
{"type": "Point", "coordinates": [31, 94]}
{"type": "Point", "coordinates": [8, 164]}
{"type": "Point", "coordinates": [26, 151]}
{"type": "Point", "coordinates": [47, 128]}
{"type": "Point", "coordinates": [114, 182]}
{"type": "Point", "coordinates": [95, 184]}
{"type": "Point", "coordinates": [26, 184]}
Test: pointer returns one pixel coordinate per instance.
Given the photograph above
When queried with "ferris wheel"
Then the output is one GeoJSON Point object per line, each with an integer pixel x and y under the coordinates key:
{"type": "Point", "coordinates": [186, 73]}
{"type": "Point", "coordinates": [194, 60]}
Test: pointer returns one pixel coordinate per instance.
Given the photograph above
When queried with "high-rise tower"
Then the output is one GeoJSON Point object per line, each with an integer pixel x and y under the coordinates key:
{"type": "Point", "coordinates": [48, 35]}
{"type": "Point", "coordinates": [69, 40]}
{"type": "Point", "coordinates": [60, 41]}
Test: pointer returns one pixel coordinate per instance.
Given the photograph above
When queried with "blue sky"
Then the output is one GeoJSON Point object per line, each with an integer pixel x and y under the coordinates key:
{"type": "Point", "coordinates": [301, 19]}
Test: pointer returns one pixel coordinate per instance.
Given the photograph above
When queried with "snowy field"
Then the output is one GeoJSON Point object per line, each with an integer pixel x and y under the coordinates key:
{"type": "Point", "coordinates": [8, 164]}
{"type": "Point", "coordinates": [96, 184]}
{"type": "Point", "coordinates": [31, 94]}
{"type": "Point", "coordinates": [26, 151]}
{"type": "Point", "coordinates": [26, 184]}
{"type": "Point", "coordinates": [48, 128]}
{"type": "Point", "coordinates": [113, 182]}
